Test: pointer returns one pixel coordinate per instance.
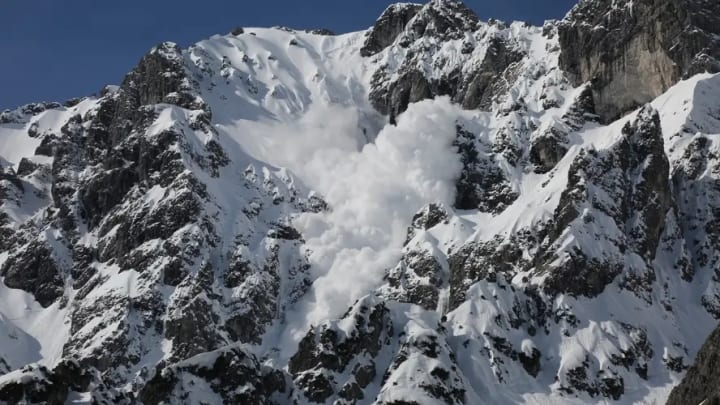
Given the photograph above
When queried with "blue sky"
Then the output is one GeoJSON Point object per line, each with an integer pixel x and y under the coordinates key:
{"type": "Point", "coordinates": [57, 49]}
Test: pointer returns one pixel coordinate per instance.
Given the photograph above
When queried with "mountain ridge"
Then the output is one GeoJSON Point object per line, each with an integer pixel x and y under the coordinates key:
{"type": "Point", "coordinates": [197, 233]}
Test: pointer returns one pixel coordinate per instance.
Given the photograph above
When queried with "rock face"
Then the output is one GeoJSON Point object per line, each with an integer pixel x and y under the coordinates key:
{"type": "Point", "coordinates": [551, 144]}
{"type": "Point", "coordinates": [387, 28]}
{"type": "Point", "coordinates": [333, 348]}
{"type": "Point", "coordinates": [628, 184]}
{"type": "Point", "coordinates": [135, 169]}
{"type": "Point", "coordinates": [419, 35]}
{"type": "Point", "coordinates": [633, 51]}
{"type": "Point", "coordinates": [233, 375]}
{"type": "Point", "coordinates": [33, 269]}
{"type": "Point", "coordinates": [700, 385]}
{"type": "Point", "coordinates": [160, 243]}
{"type": "Point", "coordinates": [35, 385]}
{"type": "Point", "coordinates": [483, 184]}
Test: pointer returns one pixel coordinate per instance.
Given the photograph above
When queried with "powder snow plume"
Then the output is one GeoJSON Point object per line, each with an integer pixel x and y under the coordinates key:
{"type": "Point", "coordinates": [373, 191]}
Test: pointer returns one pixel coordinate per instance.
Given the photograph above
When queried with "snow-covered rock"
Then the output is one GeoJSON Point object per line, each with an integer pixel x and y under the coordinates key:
{"type": "Point", "coordinates": [436, 210]}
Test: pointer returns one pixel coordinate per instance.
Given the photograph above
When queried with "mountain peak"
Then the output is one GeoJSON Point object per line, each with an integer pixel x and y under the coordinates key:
{"type": "Point", "coordinates": [389, 25]}
{"type": "Point", "coordinates": [198, 233]}
{"type": "Point", "coordinates": [442, 19]}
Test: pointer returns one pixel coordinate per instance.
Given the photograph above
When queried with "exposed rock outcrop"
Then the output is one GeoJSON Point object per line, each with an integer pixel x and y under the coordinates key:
{"type": "Point", "coordinates": [40, 385]}
{"type": "Point", "coordinates": [321, 365]}
{"type": "Point", "coordinates": [628, 184]}
{"type": "Point", "coordinates": [233, 375]}
{"type": "Point", "coordinates": [34, 269]}
{"type": "Point", "coordinates": [701, 384]}
{"type": "Point", "coordinates": [482, 184]}
{"type": "Point", "coordinates": [551, 144]}
{"type": "Point", "coordinates": [633, 51]}
{"type": "Point", "coordinates": [391, 23]}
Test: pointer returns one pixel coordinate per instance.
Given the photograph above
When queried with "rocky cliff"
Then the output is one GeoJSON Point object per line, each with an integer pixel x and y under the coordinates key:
{"type": "Point", "coordinates": [633, 51]}
{"type": "Point", "coordinates": [700, 385]}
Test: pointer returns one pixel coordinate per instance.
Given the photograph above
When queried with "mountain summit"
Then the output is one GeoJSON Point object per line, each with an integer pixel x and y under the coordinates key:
{"type": "Point", "coordinates": [436, 210]}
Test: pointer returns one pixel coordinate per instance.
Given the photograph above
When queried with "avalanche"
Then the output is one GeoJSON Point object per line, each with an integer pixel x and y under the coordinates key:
{"type": "Point", "coordinates": [436, 210]}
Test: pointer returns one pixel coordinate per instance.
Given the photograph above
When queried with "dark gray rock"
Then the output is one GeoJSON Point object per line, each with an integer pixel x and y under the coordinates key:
{"type": "Point", "coordinates": [134, 317]}
{"type": "Point", "coordinates": [72, 102]}
{"type": "Point", "coordinates": [158, 78]}
{"type": "Point", "coordinates": [232, 373]}
{"type": "Point", "coordinates": [137, 224]}
{"type": "Point", "coordinates": [697, 193]}
{"type": "Point", "coordinates": [248, 318]}
{"type": "Point", "coordinates": [546, 151]}
{"type": "Point", "coordinates": [532, 363]}
{"type": "Point", "coordinates": [638, 355]}
{"type": "Point", "coordinates": [579, 275]}
{"type": "Point", "coordinates": [478, 89]}
{"type": "Point", "coordinates": [263, 288]}
{"type": "Point", "coordinates": [195, 330]}
{"type": "Point", "coordinates": [427, 218]}
{"type": "Point", "coordinates": [26, 167]}
{"type": "Point", "coordinates": [701, 384]}
{"type": "Point", "coordinates": [327, 351]}
{"type": "Point", "coordinates": [580, 379]}
{"type": "Point", "coordinates": [441, 19]}
{"type": "Point", "coordinates": [8, 174]}
{"type": "Point", "coordinates": [40, 385]}
{"type": "Point", "coordinates": [423, 34]}
{"type": "Point", "coordinates": [391, 23]}
{"type": "Point", "coordinates": [550, 147]}
{"type": "Point", "coordinates": [633, 176]}
{"type": "Point", "coordinates": [651, 196]}
{"type": "Point", "coordinates": [410, 87]}
{"type": "Point", "coordinates": [285, 232]}
{"type": "Point", "coordinates": [430, 216]}
{"type": "Point", "coordinates": [417, 280]}
{"type": "Point", "coordinates": [615, 46]}
{"type": "Point", "coordinates": [104, 191]}
{"type": "Point", "coordinates": [442, 383]}
{"type": "Point", "coordinates": [32, 268]}
{"type": "Point", "coordinates": [321, 31]}
{"type": "Point", "coordinates": [22, 114]}
{"type": "Point", "coordinates": [482, 184]}
{"type": "Point", "coordinates": [482, 261]}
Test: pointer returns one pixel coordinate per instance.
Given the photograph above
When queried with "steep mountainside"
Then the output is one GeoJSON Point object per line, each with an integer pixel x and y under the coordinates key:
{"type": "Point", "coordinates": [700, 385]}
{"type": "Point", "coordinates": [435, 210]}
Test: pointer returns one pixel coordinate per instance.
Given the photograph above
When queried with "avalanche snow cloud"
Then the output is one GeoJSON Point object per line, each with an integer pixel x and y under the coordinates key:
{"type": "Point", "coordinates": [373, 190]}
{"type": "Point", "coordinates": [373, 194]}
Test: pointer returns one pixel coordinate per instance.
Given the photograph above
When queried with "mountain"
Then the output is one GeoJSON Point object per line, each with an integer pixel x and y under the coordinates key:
{"type": "Point", "coordinates": [436, 210]}
{"type": "Point", "coordinates": [700, 385]}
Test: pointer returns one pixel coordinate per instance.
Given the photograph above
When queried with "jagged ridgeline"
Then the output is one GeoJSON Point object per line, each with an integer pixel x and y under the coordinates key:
{"type": "Point", "coordinates": [438, 210]}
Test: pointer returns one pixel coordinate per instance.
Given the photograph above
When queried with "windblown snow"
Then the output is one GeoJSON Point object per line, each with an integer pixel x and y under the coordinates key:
{"type": "Point", "coordinates": [374, 193]}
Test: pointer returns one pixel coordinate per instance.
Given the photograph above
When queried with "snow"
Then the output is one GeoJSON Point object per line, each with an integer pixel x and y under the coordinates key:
{"type": "Point", "coordinates": [291, 110]}
{"type": "Point", "coordinates": [310, 115]}
{"type": "Point", "coordinates": [30, 333]}
{"type": "Point", "coordinates": [374, 194]}
{"type": "Point", "coordinates": [15, 144]}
